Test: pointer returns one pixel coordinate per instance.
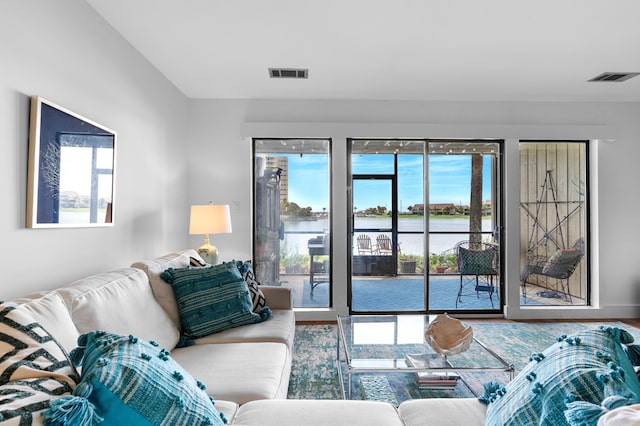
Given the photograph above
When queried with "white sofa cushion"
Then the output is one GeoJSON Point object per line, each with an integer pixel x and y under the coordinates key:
{"type": "Point", "coordinates": [120, 302]}
{"type": "Point", "coordinates": [239, 372]}
{"type": "Point", "coordinates": [52, 314]}
{"type": "Point", "coordinates": [280, 328]}
{"type": "Point", "coordinates": [443, 412]}
{"type": "Point", "coordinates": [300, 412]}
{"type": "Point", "coordinates": [228, 408]}
{"type": "Point", "coordinates": [162, 291]}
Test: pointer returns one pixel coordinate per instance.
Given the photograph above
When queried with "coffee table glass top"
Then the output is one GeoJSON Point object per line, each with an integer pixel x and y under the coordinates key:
{"type": "Point", "coordinates": [381, 343]}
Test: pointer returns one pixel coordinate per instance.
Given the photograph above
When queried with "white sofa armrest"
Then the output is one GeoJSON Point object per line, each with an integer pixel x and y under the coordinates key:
{"type": "Point", "coordinates": [277, 297]}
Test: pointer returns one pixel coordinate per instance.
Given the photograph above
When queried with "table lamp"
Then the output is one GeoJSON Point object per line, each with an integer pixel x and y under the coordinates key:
{"type": "Point", "coordinates": [209, 219]}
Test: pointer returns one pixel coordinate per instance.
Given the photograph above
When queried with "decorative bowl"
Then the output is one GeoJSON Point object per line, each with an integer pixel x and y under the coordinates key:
{"type": "Point", "coordinates": [448, 336]}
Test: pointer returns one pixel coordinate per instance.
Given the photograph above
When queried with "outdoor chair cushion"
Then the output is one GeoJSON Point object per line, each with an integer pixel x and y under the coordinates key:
{"type": "Point", "coordinates": [476, 262]}
{"type": "Point", "coordinates": [561, 261]}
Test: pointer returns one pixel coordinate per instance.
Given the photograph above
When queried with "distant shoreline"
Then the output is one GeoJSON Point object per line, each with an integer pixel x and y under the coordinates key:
{"type": "Point", "coordinates": [400, 216]}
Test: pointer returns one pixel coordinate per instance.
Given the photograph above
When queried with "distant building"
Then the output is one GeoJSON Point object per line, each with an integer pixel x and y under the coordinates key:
{"type": "Point", "coordinates": [281, 163]}
{"type": "Point", "coordinates": [442, 209]}
{"type": "Point", "coordinates": [416, 209]}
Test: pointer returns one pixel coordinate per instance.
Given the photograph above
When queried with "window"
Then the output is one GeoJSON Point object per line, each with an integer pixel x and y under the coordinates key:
{"type": "Point", "coordinates": [292, 217]}
{"type": "Point", "coordinates": [554, 223]}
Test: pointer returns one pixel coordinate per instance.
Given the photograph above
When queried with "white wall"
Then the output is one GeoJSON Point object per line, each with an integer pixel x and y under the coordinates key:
{"type": "Point", "coordinates": [173, 152]}
{"type": "Point", "coordinates": [63, 51]}
{"type": "Point", "coordinates": [221, 131]}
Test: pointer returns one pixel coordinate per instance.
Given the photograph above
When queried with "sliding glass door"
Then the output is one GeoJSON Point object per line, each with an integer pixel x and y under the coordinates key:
{"type": "Point", "coordinates": [459, 183]}
{"type": "Point", "coordinates": [387, 259]}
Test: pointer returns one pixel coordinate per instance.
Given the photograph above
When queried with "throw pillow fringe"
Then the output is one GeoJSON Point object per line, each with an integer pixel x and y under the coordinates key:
{"type": "Point", "coordinates": [491, 391]}
{"type": "Point", "coordinates": [73, 410]}
{"type": "Point", "coordinates": [265, 313]}
{"type": "Point", "coordinates": [582, 413]}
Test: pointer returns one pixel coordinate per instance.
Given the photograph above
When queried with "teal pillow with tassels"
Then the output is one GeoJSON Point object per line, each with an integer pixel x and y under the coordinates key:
{"type": "Point", "coordinates": [128, 381]}
{"type": "Point", "coordinates": [212, 299]}
{"type": "Point", "coordinates": [573, 382]}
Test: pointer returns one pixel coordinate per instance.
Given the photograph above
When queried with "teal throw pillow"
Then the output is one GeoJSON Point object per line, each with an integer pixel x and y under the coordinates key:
{"type": "Point", "coordinates": [212, 298]}
{"type": "Point", "coordinates": [126, 380]}
{"type": "Point", "coordinates": [569, 383]}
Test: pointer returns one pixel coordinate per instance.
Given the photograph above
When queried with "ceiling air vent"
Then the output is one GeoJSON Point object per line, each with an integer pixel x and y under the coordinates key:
{"type": "Point", "coordinates": [615, 77]}
{"type": "Point", "coordinates": [288, 72]}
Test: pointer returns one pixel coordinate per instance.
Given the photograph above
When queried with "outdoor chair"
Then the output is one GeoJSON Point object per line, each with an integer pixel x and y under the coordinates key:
{"type": "Point", "coordinates": [364, 244]}
{"type": "Point", "coordinates": [476, 260]}
{"type": "Point", "coordinates": [560, 266]}
{"type": "Point", "coordinates": [383, 245]}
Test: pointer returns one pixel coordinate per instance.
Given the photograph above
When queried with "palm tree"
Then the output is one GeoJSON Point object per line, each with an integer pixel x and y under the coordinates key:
{"type": "Point", "coordinates": [475, 208]}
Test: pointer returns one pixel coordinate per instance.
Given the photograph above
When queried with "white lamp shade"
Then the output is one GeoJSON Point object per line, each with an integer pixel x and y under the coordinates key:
{"type": "Point", "coordinates": [210, 219]}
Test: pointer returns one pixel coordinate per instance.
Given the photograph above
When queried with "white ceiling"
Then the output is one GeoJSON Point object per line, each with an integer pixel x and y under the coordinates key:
{"type": "Point", "coordinates": [502, 50]}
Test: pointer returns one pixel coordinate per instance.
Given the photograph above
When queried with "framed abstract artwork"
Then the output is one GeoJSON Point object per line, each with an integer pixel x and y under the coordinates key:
{"type": "Point", "coordinates": [71, 170]}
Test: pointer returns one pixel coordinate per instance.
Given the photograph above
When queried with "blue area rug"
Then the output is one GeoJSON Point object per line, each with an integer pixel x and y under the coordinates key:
{"type": "Point", "coordinates": [314, 376]}
{"type": "Point", "coordinates": [407, 294]}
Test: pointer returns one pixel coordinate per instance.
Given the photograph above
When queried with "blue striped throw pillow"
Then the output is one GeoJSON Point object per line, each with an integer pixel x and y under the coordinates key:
{"type": "Point", "coordinates": [569, 383]}
{"type": "Point", "coordinates": [126, 380]}
{"type": "Point", "coordinates": [212, 298]}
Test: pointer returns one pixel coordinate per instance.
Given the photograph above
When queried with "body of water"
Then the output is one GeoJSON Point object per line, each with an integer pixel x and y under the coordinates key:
{"type": "Point", "coordinates": [298, 233]}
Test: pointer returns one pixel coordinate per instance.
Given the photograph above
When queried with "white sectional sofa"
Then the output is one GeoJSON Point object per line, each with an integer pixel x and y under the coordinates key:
{"type": "Point", "coordinates": [245, 369]}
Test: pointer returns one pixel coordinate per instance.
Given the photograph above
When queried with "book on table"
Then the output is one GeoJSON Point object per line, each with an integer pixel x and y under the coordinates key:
{"type": "Point", "coordinates": [432, 379]}
{"type": "Point", "coordinates": [437, 379]}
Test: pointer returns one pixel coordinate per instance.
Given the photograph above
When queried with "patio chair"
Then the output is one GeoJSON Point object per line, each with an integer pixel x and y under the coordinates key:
{"type": "Point", "coordinates": [560, 266]}
{"type": "Point", "coordinates": [383, 245]}
{"type": "Point", "coordinates": [476, 259]}
{"type": "Point", "coordinates": [364, 244]}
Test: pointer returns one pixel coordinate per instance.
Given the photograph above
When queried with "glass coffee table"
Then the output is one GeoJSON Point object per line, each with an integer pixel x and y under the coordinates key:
{"type": "Point", "coordinates": [381, 343]}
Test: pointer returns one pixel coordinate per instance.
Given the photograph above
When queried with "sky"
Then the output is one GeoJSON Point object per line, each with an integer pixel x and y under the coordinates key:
{"type": "Point", "coordinates": [449, 175]}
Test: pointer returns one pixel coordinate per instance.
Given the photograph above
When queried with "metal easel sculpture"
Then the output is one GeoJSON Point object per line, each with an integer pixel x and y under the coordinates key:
{"type": "Point", "coordinates": [569, 258]}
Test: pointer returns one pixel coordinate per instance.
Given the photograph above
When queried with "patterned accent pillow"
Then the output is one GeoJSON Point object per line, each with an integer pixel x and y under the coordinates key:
{"type": "Point", "coordinates": [212, 299]}
{"type": "Point", "coordinates": [257, 296]}
{"type": "Point", "coordinates": [34, 367]}
{"type": "Point", "coordinates": [24, 401]}
{"type": "Point", "coordinates": [127, 380]}
{"type": "Point", "coordinates": [196, 262]}
{"type": "Point", "coordinates": [584, 368]}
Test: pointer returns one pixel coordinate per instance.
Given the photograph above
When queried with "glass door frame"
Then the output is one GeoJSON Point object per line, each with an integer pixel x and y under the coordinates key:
{"type": "Point", "coordinates": [395, 232]}
{"type": "Point", "coordinates": [394, 211]}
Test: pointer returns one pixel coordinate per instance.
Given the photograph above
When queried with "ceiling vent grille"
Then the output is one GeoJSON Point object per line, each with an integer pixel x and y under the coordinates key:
{"type": "Point", "coordinates": [288, 72]}
{"type": "Point", "coordinates": [614, 77]}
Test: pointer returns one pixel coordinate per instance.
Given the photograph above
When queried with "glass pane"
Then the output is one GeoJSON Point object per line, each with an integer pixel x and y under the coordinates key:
{"type": "Point", "coordinates": [372, 204]}
{"type": "Point", "coordinates": [462, 188]}
{"type": "Point", "coordinates": [410, 192]}
{"type": "Point", "coordinates": [292, 217]}
{"type": "Point", "coordinates": [553, 213]}
{"type": "Point", "coordinates": [372, 164]}
{"type": "Point", "coordinates": [388, 239]}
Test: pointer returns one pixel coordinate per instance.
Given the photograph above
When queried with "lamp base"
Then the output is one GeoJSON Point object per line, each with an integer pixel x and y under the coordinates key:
{"type": "Point", "coordinates": [208, 253]}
